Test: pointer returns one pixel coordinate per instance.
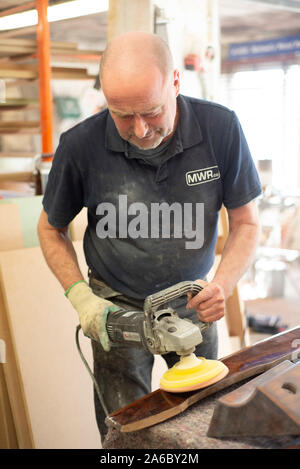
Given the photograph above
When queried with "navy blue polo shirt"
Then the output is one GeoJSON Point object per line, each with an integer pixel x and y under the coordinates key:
{"type": "Point", "coordinates": [151, 226]}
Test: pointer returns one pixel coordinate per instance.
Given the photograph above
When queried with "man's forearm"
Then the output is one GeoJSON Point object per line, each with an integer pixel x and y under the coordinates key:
{"type": "Point", "coordinates": [60, 256]}
{"type": "Point", "coordinates": [237, 256]}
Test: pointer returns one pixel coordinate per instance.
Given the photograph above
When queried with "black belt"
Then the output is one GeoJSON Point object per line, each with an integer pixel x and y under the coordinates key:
{"type": "Point", "coordinates": [109, 293]}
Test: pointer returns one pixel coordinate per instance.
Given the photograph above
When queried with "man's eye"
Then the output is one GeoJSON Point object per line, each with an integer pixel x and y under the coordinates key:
{"type": "Point", "coordinates": [152, 114]}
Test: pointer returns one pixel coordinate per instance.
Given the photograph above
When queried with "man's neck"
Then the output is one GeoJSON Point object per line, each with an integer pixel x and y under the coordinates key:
{"type": "Point", "coordinates": [174, 127]}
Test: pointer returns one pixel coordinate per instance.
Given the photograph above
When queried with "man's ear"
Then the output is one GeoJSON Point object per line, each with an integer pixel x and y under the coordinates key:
{"type": "Point", "coordinates": [176, 82]}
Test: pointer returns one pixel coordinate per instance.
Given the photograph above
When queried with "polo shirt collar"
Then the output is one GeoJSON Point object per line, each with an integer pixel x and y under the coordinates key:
{"type": "Point", "coordinates": [188, 129]}
{"type": "Point", "coordinates": [113, 141]}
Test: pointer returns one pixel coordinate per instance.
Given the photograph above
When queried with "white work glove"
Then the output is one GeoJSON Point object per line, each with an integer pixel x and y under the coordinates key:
{"type": "Point", "coordinates": [92, 311]}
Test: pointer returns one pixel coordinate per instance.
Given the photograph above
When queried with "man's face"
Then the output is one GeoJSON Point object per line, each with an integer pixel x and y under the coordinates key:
{"type": "Point", "coordinates": [144, 108]}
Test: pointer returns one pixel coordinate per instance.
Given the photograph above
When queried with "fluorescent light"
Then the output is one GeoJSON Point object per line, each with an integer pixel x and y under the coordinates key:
{"type": "Point", "coordinates": [63, 11]}
{"type": "Point", "coordinates": [19, 20]}
{"type": "Point", "coordinates": [76, 8]}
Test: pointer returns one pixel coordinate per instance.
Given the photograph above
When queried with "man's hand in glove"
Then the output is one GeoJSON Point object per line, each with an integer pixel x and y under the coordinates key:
{"type": "Point", "coordinates": [92, 312]}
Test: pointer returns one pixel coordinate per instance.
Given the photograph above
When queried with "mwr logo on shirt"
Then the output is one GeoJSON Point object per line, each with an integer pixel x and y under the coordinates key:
{"type": "Point", "coordinates": [200, 176]}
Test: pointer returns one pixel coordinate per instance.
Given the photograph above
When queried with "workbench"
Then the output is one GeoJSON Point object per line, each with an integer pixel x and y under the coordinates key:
{"type": "Point", "coordinates": [188, 431]}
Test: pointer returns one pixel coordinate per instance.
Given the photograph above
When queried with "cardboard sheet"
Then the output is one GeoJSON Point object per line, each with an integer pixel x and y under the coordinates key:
{"type": "Point", "coordinates": [29, 212]}
{"type": "Point", "coordinates": [78, 225]}
{"type": "Point", "coordinates": [10, 227]}
{"type": "Point", "coordinates": [57, 388]}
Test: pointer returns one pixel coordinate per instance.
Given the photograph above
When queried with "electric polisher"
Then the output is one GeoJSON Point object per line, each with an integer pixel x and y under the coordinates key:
{"type": "Point", "coordinates": [160, 330]}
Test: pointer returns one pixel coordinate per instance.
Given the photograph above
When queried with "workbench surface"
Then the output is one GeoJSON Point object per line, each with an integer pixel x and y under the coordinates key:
{"type": "Point", "coordinates": [188, 431]}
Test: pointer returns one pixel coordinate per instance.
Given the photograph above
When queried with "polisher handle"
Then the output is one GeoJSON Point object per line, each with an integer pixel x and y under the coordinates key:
{"type": "Point", "coordinates": [152, 302]}
{"type": "Point", "coordinates": [203, 325]}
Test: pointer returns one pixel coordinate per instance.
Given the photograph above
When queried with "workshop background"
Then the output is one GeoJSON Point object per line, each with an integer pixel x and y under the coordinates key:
{"type": "Point", "coordinates": [244, 54]}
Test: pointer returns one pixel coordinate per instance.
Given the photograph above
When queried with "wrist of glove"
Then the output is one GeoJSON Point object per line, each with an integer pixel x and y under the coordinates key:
{"type": "Point", "coordinates": [92, 311]}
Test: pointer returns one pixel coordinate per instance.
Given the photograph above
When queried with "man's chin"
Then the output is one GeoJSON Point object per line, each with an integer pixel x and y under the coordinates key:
{"type": "Point", "coordinates": [147, 144]}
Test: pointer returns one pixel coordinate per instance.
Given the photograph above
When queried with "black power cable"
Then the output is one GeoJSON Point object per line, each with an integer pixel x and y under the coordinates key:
{"type": "Point", "coordinates": [99, 394]}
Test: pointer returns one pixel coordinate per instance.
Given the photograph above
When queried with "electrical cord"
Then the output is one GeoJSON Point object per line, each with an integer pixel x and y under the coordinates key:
{"type": "Point", "coordinates": [99, 394]}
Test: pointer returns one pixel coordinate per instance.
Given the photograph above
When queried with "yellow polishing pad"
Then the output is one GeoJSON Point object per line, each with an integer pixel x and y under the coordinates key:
{"type": "Point", "coordinates": [192, 373]}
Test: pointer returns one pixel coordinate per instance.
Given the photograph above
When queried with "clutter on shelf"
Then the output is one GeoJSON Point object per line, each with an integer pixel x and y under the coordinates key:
{"type": "Point", "coordinates": [279, 248]}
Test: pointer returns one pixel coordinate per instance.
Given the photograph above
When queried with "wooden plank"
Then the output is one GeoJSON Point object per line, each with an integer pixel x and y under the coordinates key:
{"type": "Point", "coordinates": [17, 107]}
{"type": "Point", "coordinates": [13, 50]}
{"type": "Point", "coordinates": [13, 103]}
{"type": "Point", "coordinates": [8, 437]}
{"type": "Point", "coordinates": [11, 229]}
{"type": "Point", "coordinates": [65, 73]}
{"type": "Point", "coordinates": [18, 82]}
{"type": "Point", "coordinates": [16, 58]}
{"type": "Point", "coordinates": [10, 72]}
{"type": "Point", "coordinates": [223, 229]}
{"type": "Point", "coordinates": [75, 58]}
{"type": "Point", "coordinates": [250, 361]}
{"type": "Point", "coordinates": [235, 317]}
{"type": "Point", "coordinates": [19, 127]}
{"type": "Point", "coordinates": [7, 50]}
{"type": "Point", "coordinates": [22, 176]}
{"type": "Point", "coordinates": [58, 391]}
{"type": "Point", "coordinates": [13, 70]}
{"type": "Point", "coordinates": [10, 239]}
{"type": "Point", "coordinates": [96, 54]}
{"type": "Point", "coordinates": [17, 49]}
{"type": "Point", "coordinates": [63, 45]}
{"type": "Point", "coordinates": [20, 130]}
{"type": "Point", "coordinates": [33, 43]}
{"type": "Point", "coordinates": [16, 189]}
{"type": "Point", "coordinates": [13, 124]}
{"type": "Point", "coordinates": [18, 32]}
{"type": "Point", "coordinates": [13, 154]}
{"type": "Point", "coordinates": [78, 225]}
{"type": "Point", "coordinates": [29, 210]}
{"type": "Point", "coordinates": [12, 66]}
{"type": "Point", "coordinates": [14, 382]}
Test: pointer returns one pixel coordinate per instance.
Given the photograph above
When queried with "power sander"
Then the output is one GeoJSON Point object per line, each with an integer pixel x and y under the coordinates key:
{"type": "Point", "coordinates": [160, 330]}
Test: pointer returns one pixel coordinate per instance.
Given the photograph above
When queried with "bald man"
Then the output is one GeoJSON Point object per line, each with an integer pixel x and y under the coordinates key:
{"type": "Point", "coordinates": [153, 170]}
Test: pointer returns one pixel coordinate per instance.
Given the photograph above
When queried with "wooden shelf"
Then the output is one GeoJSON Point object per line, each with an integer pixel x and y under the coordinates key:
{"type": "Point", "coordinates": [14, 154]}
{"type": "Point", "coordinates": [20, 127]}
{"type": "Point", "coordinates": [19, 104]}
{"type": "Point", "coordinates": [19, 48]}
{"type": "Point", "coordinates": [28, 60]}
{"type": "Point", "coordinates": [12, 70]}
{"type": "Point", "coordinates": [20, 176]}
{"type": "Point", "coordinates": [66, 73]}
{"type": "Point", "coordinates": [32, 43]}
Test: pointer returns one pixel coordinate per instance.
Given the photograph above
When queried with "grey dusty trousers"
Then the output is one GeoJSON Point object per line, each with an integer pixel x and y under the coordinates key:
{"type": "Point", "coordinates": [124, 373]}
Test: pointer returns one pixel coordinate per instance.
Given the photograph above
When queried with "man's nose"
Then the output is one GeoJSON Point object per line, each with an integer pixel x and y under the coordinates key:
{"type": "Point", "coordinates": [140, 127]}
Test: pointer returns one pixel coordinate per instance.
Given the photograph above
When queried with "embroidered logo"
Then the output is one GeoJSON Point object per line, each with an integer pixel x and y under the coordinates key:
{"type": "Point", "coordinates": [200, 176]}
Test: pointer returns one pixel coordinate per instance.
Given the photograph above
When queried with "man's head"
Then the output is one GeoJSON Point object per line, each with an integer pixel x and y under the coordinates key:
{"type": "Point", "coordinates": [140, 85]}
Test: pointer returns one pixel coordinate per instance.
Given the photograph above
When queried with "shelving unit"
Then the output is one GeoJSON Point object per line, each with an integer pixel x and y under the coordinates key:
{"type": "Point", "coordinates": [29, 61]}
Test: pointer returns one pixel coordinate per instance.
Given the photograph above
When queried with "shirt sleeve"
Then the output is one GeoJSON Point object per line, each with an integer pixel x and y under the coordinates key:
{"type": "Point", "coordinates": [63, 197]}
{"type": "Point", "coordinates": [241, 182]}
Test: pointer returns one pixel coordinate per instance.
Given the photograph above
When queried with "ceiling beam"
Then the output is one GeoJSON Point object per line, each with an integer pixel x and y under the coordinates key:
{"type": "Point", "coordinates": [289, 5]}
{"type": "Point", "coordinates": [18, 9]}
